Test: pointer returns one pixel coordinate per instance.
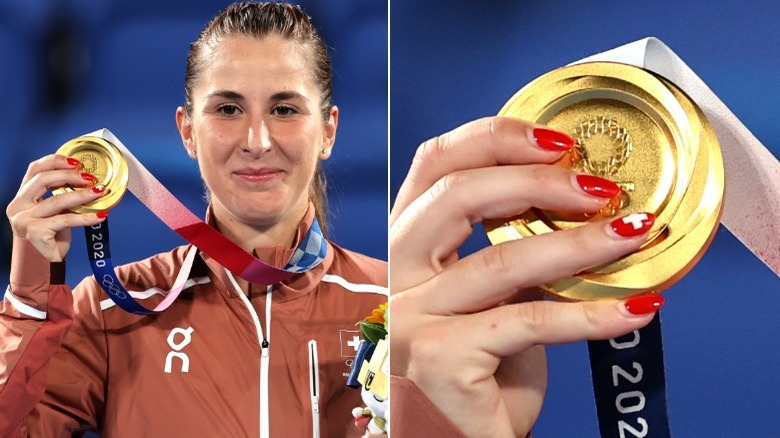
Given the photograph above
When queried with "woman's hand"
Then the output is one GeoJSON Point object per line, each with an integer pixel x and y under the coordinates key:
{"type": "Point", "coordinates": [46, 222]}
{"type": "Point", "coordinates": [470, 332]}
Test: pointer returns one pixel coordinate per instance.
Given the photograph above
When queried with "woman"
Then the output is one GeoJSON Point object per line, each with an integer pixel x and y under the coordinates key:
{"type": "Point", "coordinates": [482, 313]}
{"type": "Point", "coordinates": [228, 358]}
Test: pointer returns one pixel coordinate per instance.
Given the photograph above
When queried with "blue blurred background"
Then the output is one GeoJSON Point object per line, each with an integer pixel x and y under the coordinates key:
{"type": "Point", "coordinates": [456, 61]}
{"type": "Point", "coordinates": [74, 66]}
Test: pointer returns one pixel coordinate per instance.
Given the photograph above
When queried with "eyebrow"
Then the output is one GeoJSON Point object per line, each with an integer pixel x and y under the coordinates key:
{"type": "Point", "coordinates": [227, 94]}
{"type": "Point", "coordinates": [282, 95]}
{"type": "Point", "coordinates": [287, 95]}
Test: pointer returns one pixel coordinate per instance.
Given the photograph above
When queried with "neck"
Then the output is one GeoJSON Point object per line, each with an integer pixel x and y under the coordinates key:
{"type": "Point", "coordinates": [250, 236]}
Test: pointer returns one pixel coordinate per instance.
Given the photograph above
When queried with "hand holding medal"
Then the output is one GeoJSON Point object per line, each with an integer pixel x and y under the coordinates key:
{"type": "Point", "coordinates": [46, 221]}
{"type": "Point", "coordinates": [468, 332]}
{"type": "Point", "coordinates": [650, 162]}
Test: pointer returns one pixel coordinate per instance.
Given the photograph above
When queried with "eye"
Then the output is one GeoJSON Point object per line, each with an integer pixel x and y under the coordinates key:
{"type": "Point", "coordinates": [284, 110]}
{"type": "Point", "coordinates": [229, 110]}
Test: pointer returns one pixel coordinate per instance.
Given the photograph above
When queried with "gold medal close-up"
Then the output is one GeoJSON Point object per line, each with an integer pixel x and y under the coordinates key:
{"type": "Point", "coordinates": [102, 159]}
{"type": "Point", "coordinates": [640, 131]}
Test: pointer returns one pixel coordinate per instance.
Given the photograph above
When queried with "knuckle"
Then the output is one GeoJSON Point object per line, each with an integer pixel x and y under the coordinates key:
{"type": "Point", "coordinates": [593, 317]}
{"type": "Point", "coordinates": [535, 315]}
{"type": "Point", "coordinates": [543, 175]}
{"type": "Point", "coordinates": [502, 129]}
{"type": "Point", "coordinates": [452, 189]}
{"type": "Point", "coordinates": [10, 210]}
{"type": "Point", "coordinates": [35, 166]}
{"type": "Point", "coordinates": [431, 150]}
{"type": "Point", "coordinates": [450, 181]}
{"type": "Point", "coordinates": [581, 240]}
{"type": "Point", "coordinates": [421, 154]}
{"type": "Point", "coordinates": [36, 179]}
{"type": "Point", "coordinates": [497, 126]}
{"type": "Point", "coordinates": [497, 260]}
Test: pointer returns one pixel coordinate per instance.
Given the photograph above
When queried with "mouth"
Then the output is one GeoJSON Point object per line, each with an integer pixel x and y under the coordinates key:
{"type": "Point", "coordinates": [258, 175]}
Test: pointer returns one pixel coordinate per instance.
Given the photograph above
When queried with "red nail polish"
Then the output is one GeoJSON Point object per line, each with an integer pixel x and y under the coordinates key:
{"type": "Point", "coordinates": [644, 304]}
{"type": "Point", "coordinates": [102, 214]}
{"type": "Point", "coordinates": [633, 225]}
{"type": "Point", "coordinates": [88, 176]}
{"type": "Point", "coordinates": [73, 162]}
{"type": "Point", "coordinates": [98, 188]}
{"type": "Point", "coordinates": [598, 187]}
{"type": "Point", "coordinates": [553, 140]}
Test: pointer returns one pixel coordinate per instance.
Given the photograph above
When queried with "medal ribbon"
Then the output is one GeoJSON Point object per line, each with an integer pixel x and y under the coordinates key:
{"type": "Point", "coordinates": [310, 252]}
{"type": "Point", "coordinates": [629, 384]}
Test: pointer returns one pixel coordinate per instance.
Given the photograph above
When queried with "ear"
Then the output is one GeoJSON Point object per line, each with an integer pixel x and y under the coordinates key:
{"type": "Point", "coordinates": [329, 133]}
{"type": "Point", "coordinates": [184, 124]}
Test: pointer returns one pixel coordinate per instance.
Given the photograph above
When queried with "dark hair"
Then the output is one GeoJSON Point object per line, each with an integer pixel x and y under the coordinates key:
{"type": "Point", "coordinates": [258, 20]}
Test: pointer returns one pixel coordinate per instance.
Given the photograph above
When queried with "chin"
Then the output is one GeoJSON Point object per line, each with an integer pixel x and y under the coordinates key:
{"type": "Point", "coordinates": [262, 216]}
{"type": "Point", "coordinates": [261, 209]}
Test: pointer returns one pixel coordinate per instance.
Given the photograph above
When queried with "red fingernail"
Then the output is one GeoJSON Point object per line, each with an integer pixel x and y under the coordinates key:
{"type": "Point", "coordinates": [599, 187]}
{"type": "Point", "coordinates": [553, 140]}
{"type": "Point", "coordinates": [642, 305]}
{"type": "Point", "coordinates": [88, 176]}
{"type": "Point", "coordinates": [73, 161]}
{"type": "Point", "coordinates": [98, 188]}
{"type": "Point", "coordinates": [102, 214]}
{"type": "Point", "coordinates": [633, 225]}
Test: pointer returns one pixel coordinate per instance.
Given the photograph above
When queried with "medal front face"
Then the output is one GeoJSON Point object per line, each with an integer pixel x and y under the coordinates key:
{"type": "Point", "coordinates": [641, 132]}
{"type": "Point", "coordinates": [102, 159]}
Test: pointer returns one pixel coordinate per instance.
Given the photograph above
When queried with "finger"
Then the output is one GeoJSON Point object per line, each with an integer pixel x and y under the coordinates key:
{"type": "Point", "coordinates": [361, 424]}
{"type": "Point", "coordinates": [507, 330]}
{"type": "Point", "coordinates": [60, 222]}
{"type": "Point", "coordinates": [482, 143]}
{"type": "Point", "coordinates": [495, 273]}
{"type": "Point", "coordinates": [440, 220]}
{"type": "Point", "coordinates": [50, 162]}
{"type": "Point", "coordinates": [34, 188]}
{"type": "Point", "coordinates": [67, 201]}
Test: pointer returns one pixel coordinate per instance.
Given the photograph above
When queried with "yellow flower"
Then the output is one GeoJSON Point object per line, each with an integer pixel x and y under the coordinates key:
{"type": "Point", "coordinates": [378, 314]}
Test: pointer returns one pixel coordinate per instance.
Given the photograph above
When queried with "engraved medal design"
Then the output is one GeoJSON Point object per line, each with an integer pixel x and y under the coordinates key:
{"type": "Point", "coordinates": [615, 140]}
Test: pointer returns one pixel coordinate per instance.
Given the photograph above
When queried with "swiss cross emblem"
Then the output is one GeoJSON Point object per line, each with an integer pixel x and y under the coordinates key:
{"type": "Point", "coordinates": [350, 339]}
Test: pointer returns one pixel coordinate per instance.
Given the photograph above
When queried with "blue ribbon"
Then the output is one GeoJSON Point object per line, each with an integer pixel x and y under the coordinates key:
{"type": "Point", "coordinates": [629, 384]}
{"type": "Point", "coordinates": [99, 253]}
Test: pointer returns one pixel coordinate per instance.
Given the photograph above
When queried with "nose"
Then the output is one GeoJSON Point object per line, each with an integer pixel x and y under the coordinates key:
{"type": "Point", "coordinates": [258, 138]}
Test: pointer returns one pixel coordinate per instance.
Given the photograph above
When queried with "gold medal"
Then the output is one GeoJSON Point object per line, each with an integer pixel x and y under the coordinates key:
{"type": "Point", "coordinates": [640, 131]}
{"type": "Point", "coordinates": [102, 159]}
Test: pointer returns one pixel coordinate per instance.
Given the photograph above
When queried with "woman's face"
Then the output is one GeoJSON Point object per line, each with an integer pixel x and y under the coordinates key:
{"type": "Point", "coordinates": [257, 129]}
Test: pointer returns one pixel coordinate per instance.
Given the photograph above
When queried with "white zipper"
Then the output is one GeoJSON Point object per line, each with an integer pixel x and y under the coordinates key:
{"type": "Point", "coordinates": [265, 352]}
{"type": "Point", "coordinates": [314, 387]}
{"type": "Point", "coordinates": [265, 358]}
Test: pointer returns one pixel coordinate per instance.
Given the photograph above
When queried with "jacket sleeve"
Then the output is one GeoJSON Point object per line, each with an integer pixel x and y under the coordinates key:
{"type": "Point", "coordinates": [412, 414]}
{"type": "Point", "coordinates": [51, 370]}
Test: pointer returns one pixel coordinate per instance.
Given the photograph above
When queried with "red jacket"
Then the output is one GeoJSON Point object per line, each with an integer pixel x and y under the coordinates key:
{"type": "Point", "coordinates": [75, 361]}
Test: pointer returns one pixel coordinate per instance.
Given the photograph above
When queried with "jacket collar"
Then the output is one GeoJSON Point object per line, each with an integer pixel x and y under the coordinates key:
{"type": "Point", "coordinates": [294, 287]}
